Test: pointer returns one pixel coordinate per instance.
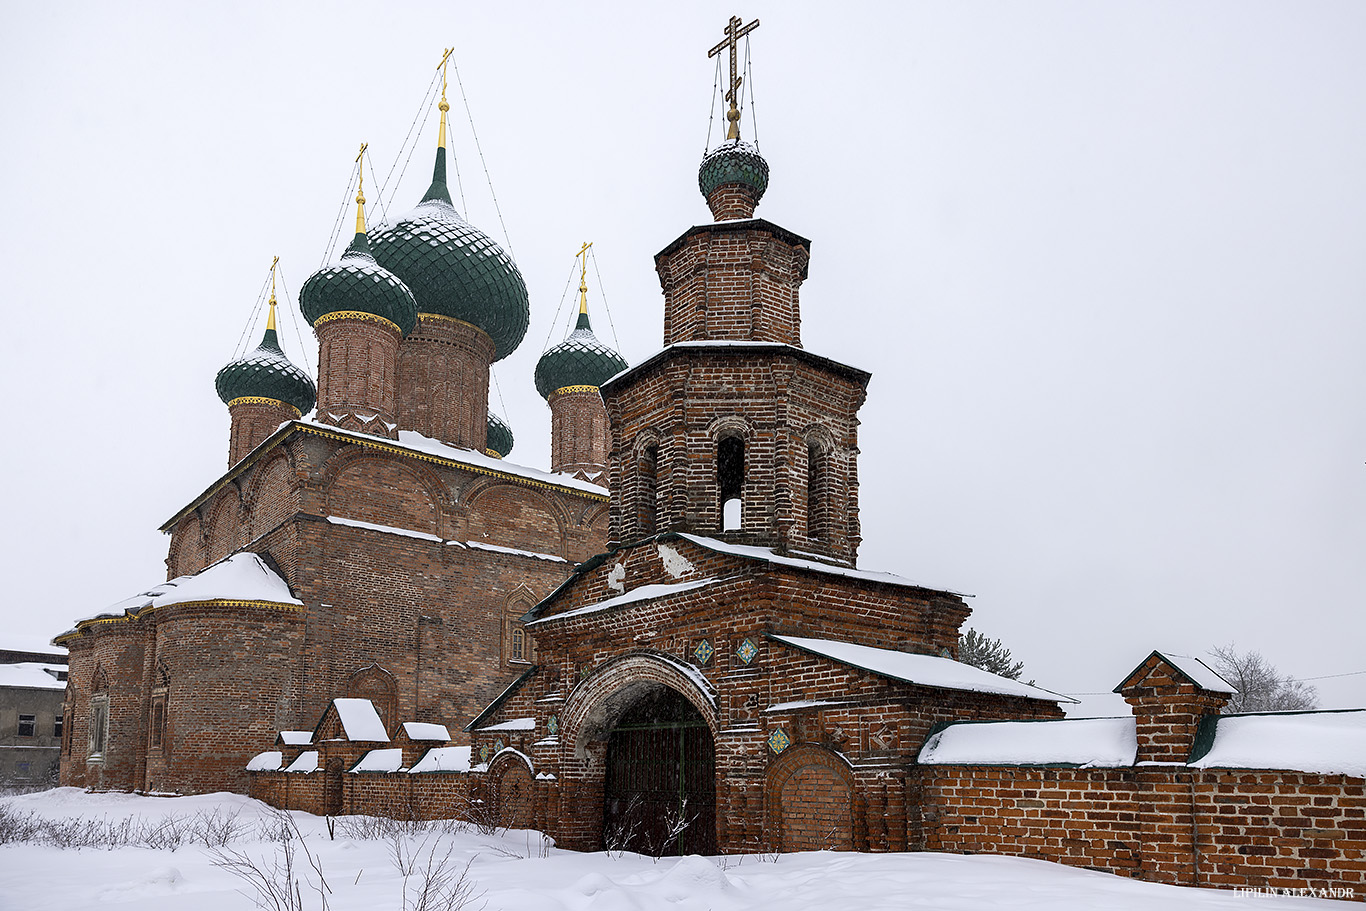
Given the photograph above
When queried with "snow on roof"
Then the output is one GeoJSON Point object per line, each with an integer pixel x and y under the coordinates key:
{"type": "Point", "coordinates": [1086, 742]}
{"type": "Point", "coordinates": [803, 704]}
{"type": "Point", "coordinates": [307, 762]}
{"type": "Point", "coordinates": [241, 577]}
{"type": "Point", "coordinates": [443, 759]}
{"type": "Point", "coordinates": [1199, 672]}
{"type": "Point", "coordinates": [410, 439]}
{"type": "Point", "coordinates": [269, 761]}
{"type": "Point", "coordinates": [30, 675]}
{"type": "Point", "coordinates": [516, 724]}
{"type": "Point", "coordinates": [296, 738]}
{"type": "Point", "coordinates": [387, 529]}
{"type": "Point", "coordinates": [360, 721]}
{"type": "Point", "coordinates": [386, 760]}
{"type": "Point", "coordinates": [499, 549]}
{"type": "Point", "coordinates": [924, 670]}
{"type": "Point", "coordinates": [422, 730]}
{"type": "Point", "coordinates": [769, 555]}
{"type": "Point", "coordinates": [1330, 743]}
{"type": "Point", "coordinates": [643, 593]}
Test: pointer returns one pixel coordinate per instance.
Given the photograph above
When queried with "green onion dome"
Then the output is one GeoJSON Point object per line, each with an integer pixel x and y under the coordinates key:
{"type": "Point", "coordinates": [454, 269]}
{"type": "Point", "coordinates": [733, 161]}
{"type": "Point", "coordinates": [500, 437]}
{"type": "Point", "coordinates": [266, 373]}
{"type": "Point", "coordinates": [358, 284]}
{"type": "Point", "coordinates": [580, 360]}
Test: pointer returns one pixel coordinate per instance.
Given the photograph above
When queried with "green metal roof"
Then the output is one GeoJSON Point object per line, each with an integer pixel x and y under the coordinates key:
{"type": "Point", "coordinates": [358, 283]}
{"type": "Point", "coordinates": [733, 161]}
{"type": "Point", "coordinates": [266, 373]}
{"type": "Point", "coordinates": [499, 436]}
{"type": "Point", "coordinates": [580, 360]}
{"type": "Point", "coordinates": [454, 269]}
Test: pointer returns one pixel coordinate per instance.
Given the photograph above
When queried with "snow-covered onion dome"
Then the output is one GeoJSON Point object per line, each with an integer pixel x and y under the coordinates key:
{"type": "Point", "coordinates": [358, 284]}
{"type": "Point", "coordinates": [500, 437]}
{"type": "Point", "coordinates": [733, 162]}
{"type": "Point", "coordinates": [265, 373]}
{"type": "Point", "coordinates": [454, 269]}
{"type": "Point", "coordinates": [580, 360]}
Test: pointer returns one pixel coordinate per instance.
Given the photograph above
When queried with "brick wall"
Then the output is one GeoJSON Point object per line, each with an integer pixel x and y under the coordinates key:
{"type": "Point", "coordinates": [779, 402]}
{"type": "Point", "coordinates": [443, 381]}
{"type": "Point", "coordinates": [579, 432]}
{"type": "Point", "coordinates": [253, 422]}
{"type": "Point", "coordinates": [1221, 828]}
{"type": "Point", "coordinates": [357, 375]}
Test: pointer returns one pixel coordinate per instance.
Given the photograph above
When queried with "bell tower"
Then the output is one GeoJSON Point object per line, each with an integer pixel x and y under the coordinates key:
{"type": "Point", "coordinates": [734, 430]}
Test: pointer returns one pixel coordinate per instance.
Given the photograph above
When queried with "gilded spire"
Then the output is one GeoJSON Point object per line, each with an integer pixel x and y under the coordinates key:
{"type": "Point", "coordinates": [270, 320]}
{"type": "Point", "coordinates": [360, 190]}
{"type": "Point", "coordinates": [443, 106]}
{"type": "Point", "coordinates": [438, 191]}
{"type": "Point", "coordinates": [583, 286]}
{"type": "Point", "coordinates": [734, 31]}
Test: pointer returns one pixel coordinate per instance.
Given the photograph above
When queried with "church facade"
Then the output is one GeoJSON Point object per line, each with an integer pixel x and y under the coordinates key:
{"type": "Point", "coordinates": [382, 549]}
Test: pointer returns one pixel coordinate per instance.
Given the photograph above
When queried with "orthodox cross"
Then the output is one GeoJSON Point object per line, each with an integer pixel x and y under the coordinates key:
{"type": "Point", "coordinates": [445, 58]}
{"type": "Point", "coordinates": [734, 32]}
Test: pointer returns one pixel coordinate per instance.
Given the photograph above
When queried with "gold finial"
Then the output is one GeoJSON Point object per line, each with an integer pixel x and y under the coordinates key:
{"type": "Point", "coordinates": [360, 190]}
{"type": "Point", "coordinates": [270, 320]}
{"type": "Point", "coordinates": [443, 106]}
{"type": "Point", "coordinates": [583, 278]}
{"type": "Point", "coordinates": [734, 32]}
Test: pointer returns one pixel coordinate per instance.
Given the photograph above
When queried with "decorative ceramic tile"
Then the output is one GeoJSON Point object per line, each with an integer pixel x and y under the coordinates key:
{"type": "Point", "coordinates": [497, 746]}
{"type": "Point", "coordinates": [553, 725]}
{"type": "Point", "coordinates": [484, 752]}
{"type": "Point", "coordinates": [778, 740]}
{"type": "Point", "coordinates": [703, 652]}
{"type": "Point", "coordinates": [747, 651]}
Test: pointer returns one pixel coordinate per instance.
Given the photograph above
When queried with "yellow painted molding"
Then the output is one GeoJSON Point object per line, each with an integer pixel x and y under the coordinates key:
{"type": "Point", "coordinates": [264, 400]}
{"type": "Point", "coordinates": [356, 314]}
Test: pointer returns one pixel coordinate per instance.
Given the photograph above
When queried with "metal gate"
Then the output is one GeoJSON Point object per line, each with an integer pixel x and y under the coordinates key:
{"type": "Point", "coordinates": [660, 792]}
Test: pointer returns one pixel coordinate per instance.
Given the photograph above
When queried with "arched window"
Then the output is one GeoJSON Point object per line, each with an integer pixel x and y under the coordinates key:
{"type": "Point", "coordinates": [817, 493]}
{"type": "Point", "coordinates": [648, 490]}
{"type": "Point", "coordinates": [730, 479]}
{"type": "Point", "coordinates": [517, 645]}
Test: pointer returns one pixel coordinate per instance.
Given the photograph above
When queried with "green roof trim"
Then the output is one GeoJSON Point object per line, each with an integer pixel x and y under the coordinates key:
{"type": "Point", "coordinates": [454, 269]}
{"type": "Point", "coordinates": [266, 373]}
{"type": "Point", "coordinates": [358, 283]}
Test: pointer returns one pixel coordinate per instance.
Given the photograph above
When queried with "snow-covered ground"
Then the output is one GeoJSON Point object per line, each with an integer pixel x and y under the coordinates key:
{"type": "Point", "coordinates": [517, 872]}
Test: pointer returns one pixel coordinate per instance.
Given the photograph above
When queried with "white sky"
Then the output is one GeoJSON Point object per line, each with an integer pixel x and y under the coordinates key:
{"type": "Point", "coordinates": [1105, 262]}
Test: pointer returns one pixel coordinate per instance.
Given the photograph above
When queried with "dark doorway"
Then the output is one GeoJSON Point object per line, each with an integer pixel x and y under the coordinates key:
{"type": "Point", "coordinates": [660, 793]}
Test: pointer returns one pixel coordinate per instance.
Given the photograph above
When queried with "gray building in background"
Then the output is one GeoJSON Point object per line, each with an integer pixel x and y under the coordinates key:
{"type": "Point", "coordinates": [32, 688]}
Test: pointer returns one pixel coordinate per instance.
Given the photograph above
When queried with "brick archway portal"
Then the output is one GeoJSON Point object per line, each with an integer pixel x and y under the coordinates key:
{"type": "Point", "coordinates": [659, 795]}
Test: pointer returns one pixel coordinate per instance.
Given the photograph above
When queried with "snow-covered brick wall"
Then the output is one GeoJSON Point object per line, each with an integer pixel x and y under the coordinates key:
{"type": "Point", "coordinates": [1087, 743]}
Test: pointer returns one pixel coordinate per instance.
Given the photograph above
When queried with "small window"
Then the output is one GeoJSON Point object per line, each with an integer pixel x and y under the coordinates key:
{"type": "Point", "coordinates": [730, 478]}
{"type": "Point", "coordinates": [518, 645]}
{"type": "Point", "coordinates": [57, 727]}
{"type": "Point", "coordinates": [99, 726]}
{"type": "Point", "coordinates": [27, 725]}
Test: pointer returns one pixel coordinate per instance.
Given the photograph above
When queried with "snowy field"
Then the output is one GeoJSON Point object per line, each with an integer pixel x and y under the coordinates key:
{"type": "Point", "coordinates": [506, 871]}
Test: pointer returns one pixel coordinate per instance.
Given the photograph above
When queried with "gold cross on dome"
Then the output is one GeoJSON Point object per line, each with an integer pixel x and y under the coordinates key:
{"type": "Point", "coordinates": [734, 32]}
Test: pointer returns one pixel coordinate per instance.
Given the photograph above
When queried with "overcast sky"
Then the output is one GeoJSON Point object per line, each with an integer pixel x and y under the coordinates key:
{"type": "Point", "coordinates": [1105, 262]}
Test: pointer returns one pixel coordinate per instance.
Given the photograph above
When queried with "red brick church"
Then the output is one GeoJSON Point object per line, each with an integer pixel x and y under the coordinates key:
{"type": "Point", "coordinates": [663, 643]}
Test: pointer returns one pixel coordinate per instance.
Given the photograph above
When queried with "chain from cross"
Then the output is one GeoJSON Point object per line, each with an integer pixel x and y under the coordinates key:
{"type": "Point", "coordinates": [734, 32]}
